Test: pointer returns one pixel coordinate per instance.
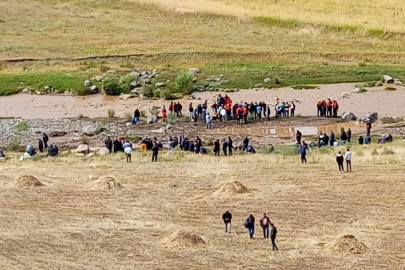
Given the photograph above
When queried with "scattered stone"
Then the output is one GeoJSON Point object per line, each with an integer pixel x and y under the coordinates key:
{"type": "Point", "coordinates": [221, 75]}
{"type": "Point", "coordinates": [368, 117]}
{"type": "Point", "coordinates": [90, 155]}
{"type": "Point", "coordinates": [83, 149]}
{"type": "Point", "coordinates": [104, 151]}
{"type": "Point", "coordinates": [357, 90]}
{"type": "Point", "coordinates": [170, 153]}
{"type": "Point", "coordinates": [128, 124]}
{"type": "Point", "coordinates": [345, 94]}
{"type": "Point", "coordinates": [135, 74]}
{"type": "Point", "coordinates": [151, 119]}
{"type": "Point", "coordinates": [160, 84]}
{"type": "Point", "coordinates": [87, 83]}
{"type": "Point", "coordinates": [111, 71]}
{"type": "Point", "coordinates": [348, 244]}
{"type": "Point", "coordinates": [90, 130]}
{"type": "Point", "coordinates": [388, 79]}
{"type": "Point", "coordinates": [47, 88]}
{"type": "Point", "coordinates": [104, 183]}
{"type": "Point", "coordinates": [267, 80]}
{"type": "Point", "coordinates": [349, 116]}
{"type": "Point", "coordinates": [66, 92]}
{"type": "Point", "coordinates": [194, 70]}
{"type": "Point", "coordinates": [40, 93]}
{"type": "Point", "coordinates": [258, 85]}
{"type": "Point", "coordinates": [125, 96]}
{"type": "Point", "coordinates": [195, 79]}
{"type": "Point", "coordinates": [168, 81]}
{"type": "Point", "coordinates": [99, 78]}
{"type": "Point", "coordinates": [80, 155]}
{"type": "Point", "coordinates": [26, 90]}
{"type": "Point", "coordinates": [135, 84]}
{"type": "Point", "coordinates": [93, 89]}
{"type": "Point", "coordinates": [169, 127]}
{"type": "Point", "coordinates": [57, 133]}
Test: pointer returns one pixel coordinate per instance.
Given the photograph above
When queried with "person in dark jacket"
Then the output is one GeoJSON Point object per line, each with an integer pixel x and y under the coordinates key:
{"type": "Point", "coordinates": [155, 151]}
{"type": "Point", "coordinates": [198, 144]}
{"type": "Point", "coordinates": [137, 116]}
{"type": "Point", "coordinates": [45, 139]}
{"type": "Point", "coordinates": [40, 145]}
{"type": "Point", "coordinates": [339, 160]}
{"type": "Point", "coordinates": [245, 144]}
{"type": "Point", "coordinates": [230, 146]}
{"type": "Point", "coordinates": [332, 138]}
{"type": "Point", "coordinates": [343, 137]}
{"type": "Point", "coordinates": [303, 152]}
{"type": "Point", "coordinates": [227, 218]}
{"type": "Point", "coordinates": [273, 234]}
{"type": "Point", "coordinates": [250, 225]}
{"type": "Point", "coordinates": [265, 224]}
{"type": "Point", "coordinates": [191, 147]}
{"type": "Point", "coordinates": [325, 139]}
{"type": "Point", "coordinates": [361, 140]}
{"type": "Point", "coordinates": [109, 144]}
{"type": "Point", "coordinates": [268, 113]}
{"type": "Point", "coordinates": [225, 147]}
{"type": "Point", "coordinates": [216, 148]}
{"type": "Point", "coordinates": [179, 107]}
{"type": "Point", "coordinates": [298, 136]}
{"type": "Point", "coordinates": [349, 135]}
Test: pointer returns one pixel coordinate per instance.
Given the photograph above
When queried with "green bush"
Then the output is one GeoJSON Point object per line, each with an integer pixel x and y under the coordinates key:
{"type": "Point", "coordinates": [387, 151]}
{"type": "Point", "coordinates": [148, 90]}
{"type": "Point", "coordinates": [112, 86]}
{"type": "Point", "coordinates": [184, 83]}
{"type": "Point", "coordinates": [22, 126]}
{"type": "Point", "coordinates": [14, 144]}
{"type": "Point", "coordinates": [375, 152]}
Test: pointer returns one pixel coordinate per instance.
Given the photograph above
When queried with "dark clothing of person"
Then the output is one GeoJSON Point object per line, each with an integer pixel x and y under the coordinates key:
{"type": "Point", "coordinates": [299, 136]}
{"type": "Point", "coordinates": [109, 145]}
{"type": "Point", "coordinates": [225, 147]}
{"type": "Point", "coordinates": [40, 146]}
{"type": "Point", "coordinates": [339, 160]}
{"type": "Point", "coordinates": [389, 138]}
{"type": "Point", "coordinates": [361, 140]}
{"type": "Point", "coordinates": [2, 154]}
{"type": "Point", "coordinates": [155, 152]}
{"type": "Point", "coordinates": [216, 148]}
{"type": "Point", "coordinates": [227, 218]}
{"type": "Point", "coordinates": [198, 145]}
{"type": "Point", "coordinates": [265, 224]}
{"type": "Point", "coordinates": [273, 234]}
{"type": "Point", "coordinates": [332, 139]}
{"type": "Point", "coordinates": [303, 152]}
{"type": "Point", "coordinates": [343, 137]}
{"type": "Point", "coordinates": [117, 146]}
{"type": "Point", "coordinates": [191, 148]}
{"type": "Point", "coordinates": [325, 139]}
{"type": "Point", "coordinates": [137, 114]}
{"type": "Point", "coordinates": [230, 146]}
{"type": "Point", "coordinates": [245, 144]}
{"type": "Point", "coordinates": [349, 165]}
{"type": "Point", "coordinates": [45, 139]}
{"type": "Point", "coordinates": [250, 225]}
{"type": "Point", "coordinates": [53, 150]}
{"type": "Point", "coordinates": [349, 135]}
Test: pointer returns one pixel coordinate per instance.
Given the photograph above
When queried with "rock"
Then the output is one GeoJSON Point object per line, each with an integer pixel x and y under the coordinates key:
{"type": "Point", "coordinates": [170, 153]}
{"type": "Point", "coordinates": [80, 155]}
{"type": "Point", "coordinates": [135, 84]}
{"type": "Point", "coordinates": [368, 117]}
{"type": "Point", "coordinates": [135, 74]}
{"type": "Point", "coordinates": [267, 80]}
{"type": "Point", "coordinates": [224, 81]}
{"type": "Point", "coordinates": [128, 124]}
{"type": "Point", "coordinates": [40, 93]}
{"type": "Point", "coordinates": [194, 70]}
{"type": "Point", "coordinates": [145, 74]}
{"type": "Point", "coordinates": [90, 155]}
{"type": "Point", "coordinates": [169, 127]}
{"type": "Point", "coordinates": [151, 119]}
{"type": "Point", "coordinates": [258, 85]}
{"type": "Point", "coordinates": [195, 79]}
{"type": "Point", "coordinates": [345, 94]}
{"type": "Point", "coordinates": [154, 71]}
{"type": "Point", "coordinates": [66, 92]}
{"type": "Point", "coordinates": [26, 90]}
{"type": "Point", "coordinates": [93, 89]}
{"type": "Point", "coordinates": [136, 90]}
{"type": "Point", "coordinates": [146, 80]}
{"type": "Point", "coordinates": [357, 90]}
{"type": "Point", "coordinates": [2, 159]}
{"type": "Point", "coordinates": [26, 156]}
{"type": "Point", "coordinates": [348, 116]}
{"type": "Point", "coordinates": [168, 81]}
{"type": "Point", "coordinates": [111, 71]}
{"type": "Point", "coordinates": [87, 83]}
{"type": "Point", "coordinates": [388, 79]}
{"type": "Point", "coordinates": [57, 133]}
{"type": "Point", "coordinates": [104, 151]}
{"type": "Point", "coordinates": [99, 78]}
{"type": "Point", "coordinates": [199, 88]}
{"type": "Point", "coordinates": [90, 130]}
{"type": "Point", "coordinates": [82, 148]}
{"type": "Point", "coordinates": [125, 96]}
{"type": "Point", "coordinates": [160, 84]}
{"type": "Point", "coordinates": [221, 75]}
{"type": "Point", "coordinates": [47, 88]}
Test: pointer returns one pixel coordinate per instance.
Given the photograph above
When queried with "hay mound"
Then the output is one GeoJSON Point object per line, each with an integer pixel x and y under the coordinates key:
{"type": "Point", "coordinates": [348, 244]}
{"type": "Point", "coordinates": [104, 183]}
{"type": "Point", "coordinates": [25, 181]}
{"type": "Point", "coordinates": [233, 187]}
{"type": "Point", "coordinates": [182, 238]}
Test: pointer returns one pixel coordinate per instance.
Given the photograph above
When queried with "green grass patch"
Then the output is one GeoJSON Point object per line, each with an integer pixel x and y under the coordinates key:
{"type": "Point", "coordinates": [22, 126]}
{"type": "Point", "coordinates": [376, 32]}
{"type": "Point", "coordinates": [299, 87]}
{"type": "Point", "coordinates": [389, 88]}
{"type": "Point", "coordinates": [274, 21]}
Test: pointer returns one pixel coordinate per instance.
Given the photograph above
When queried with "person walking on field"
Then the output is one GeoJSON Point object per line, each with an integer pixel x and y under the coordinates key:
{"type": "Point", "coordinates": [128, 151]}
{"type": "Point", "coordinates": [227, 218]}
{"type": "Point", "coordinates": [348, 158]}
{"type": "Point", "coordinates": [273, 234]}
{"type": "Point", "coordinates": [339, 160]}
{"type": "Point", "coordinates": [250, 225]}
{"type": "Point", "coordinates": [216, 148]}
{"type": "Point", "coordinates": [265, 224]}
{"type": "Point", "coordinates": [40, 145]}
{"type": "Point", "coordinates": [303, 152]}
{"type": "Point", "coordinates": [155, 151]}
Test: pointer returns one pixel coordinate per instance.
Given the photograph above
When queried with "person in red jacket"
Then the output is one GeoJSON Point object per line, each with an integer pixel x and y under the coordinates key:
{"type": "Point", "coordinates": [335, 108]}
{"type": "Point", "coordinates": [329, 107]}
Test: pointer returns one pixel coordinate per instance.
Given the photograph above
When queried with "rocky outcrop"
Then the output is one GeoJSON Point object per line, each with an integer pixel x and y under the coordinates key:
{"type": "Point", "coordinates": [349, 116]}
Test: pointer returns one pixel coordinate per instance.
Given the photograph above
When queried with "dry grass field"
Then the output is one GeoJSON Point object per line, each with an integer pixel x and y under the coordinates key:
{"type": "Point", "coordinates": [73, 223]}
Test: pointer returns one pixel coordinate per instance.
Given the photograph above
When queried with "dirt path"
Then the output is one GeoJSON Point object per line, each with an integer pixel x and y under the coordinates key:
{"type": "Point", "coordinates": [386, 103]}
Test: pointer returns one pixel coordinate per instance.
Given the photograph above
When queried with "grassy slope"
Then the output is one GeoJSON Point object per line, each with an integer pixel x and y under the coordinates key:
{"type": "Point", "coordinates": [246, 50]}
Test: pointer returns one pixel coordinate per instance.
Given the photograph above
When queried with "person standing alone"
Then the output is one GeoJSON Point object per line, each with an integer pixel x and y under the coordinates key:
{"type": "Point", "coordinates": [155, 151]}
{"type": "Point", "coordinates": [273, 234]}
{"type": "Point", "coordinates": [348, 158]}
{"type": "Point", "coordinates": [303, 152]}
{"type": "Point", "coordinates": [227, 218]}
{"type": "Point", "coordinates": [339, 160]}
{"type": "Point", "coordinates": [265, 224]}
{"type": "Point", "coordinates": [45, 139]}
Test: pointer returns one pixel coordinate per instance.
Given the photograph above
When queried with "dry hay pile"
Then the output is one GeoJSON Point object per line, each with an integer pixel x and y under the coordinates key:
{"type": "Point", "coordinates": [231, 188]}
{"type": "Point", "coordinates": [182, 238]}
{"type": "Point", "coordinates": [104, 183]}
{"type": "Point", "coordinates": [348, 244]}
{"type": "Point", "coordinates": [25, 181]}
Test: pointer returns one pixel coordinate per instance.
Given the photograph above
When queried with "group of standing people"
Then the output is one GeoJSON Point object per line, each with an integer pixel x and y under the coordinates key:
{"type": "Point", "coordinates": [328, 108]}
{"type": "Point", "coordinates": [227, 147]}
{"type": "Point", "coordinates": [269, 229]}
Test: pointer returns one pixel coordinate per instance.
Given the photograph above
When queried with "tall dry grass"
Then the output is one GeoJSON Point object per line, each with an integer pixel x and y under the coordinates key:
{"type": "Point", "coordinates": [65, 225]}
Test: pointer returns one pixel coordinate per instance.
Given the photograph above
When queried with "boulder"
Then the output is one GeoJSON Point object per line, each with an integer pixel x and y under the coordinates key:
{"type": "Point", "coordinates": [82, 148]}
{"type": "Point", "coordinates": [151, 119]}
{"type": "Point", "coordinates": [169, 127]}
{"type": "Point", "coordinates": [104, 151]}
{"type": "Point", "coordinates": [90, 155]}
{"type": "Point", "coordinates": [99, 78]}
{"type": "Point", "coordinates": [357, 90]}
{"type": "Point", "coordinates": [47, 88]}
{"type": "Point", "coordinates": [258, 85]}
{"type": "Point", "coordinates": [388, 79]}
{"type": "Point", "coordinates": [160, 84]}
{"type": "Point", "coordinates": [135, 84]}
{"type": "Point", "coordinates": [90, 130]}
{"type": "Point", "coordinates": [26, 90]}
{"type": "Point", "coordinates": [349, 116]}
{"type": "Point", "coordinates": [368, 117]}
{"type": "Point", "coordinates": [87, 83]}
{"type": "Point", "coordinates": [128, 124]}
{"type": "Point", "coordinates": [267, 80]}
{"type": "Point", "coordinates": [40, 93]}
{"type": "Point", "coordinates": [194, 70]}
{"type": "Point", "coordinates": [93, 89]}
{"type": "Point", "coordinates": [345, 94]}
{"type": "Point", "coordinates": [125, 96]}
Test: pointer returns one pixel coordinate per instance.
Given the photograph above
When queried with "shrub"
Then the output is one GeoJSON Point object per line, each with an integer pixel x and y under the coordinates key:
{"type": "Point", "coordinates": [184, 83]}
{"type": "Point", "coordinates": [388, 88]}
{"type": "Point", "coordinates": [374, 153]}
{"type": "Point", "coordinates": [104, 68]}
{"type": "Point", "coordinates": [112, 86]}
{"type": "Point", "coordinates": [111, 113]}
{"type": "Point", "coordinates": [147, 90]}
{"type": "Point", "coordinates": [125, 82]}
{"type": "Point", "coordinates": [387, 151]}
{"type": "Point", "coordinates": [85, 139]}
{"type": "Point", "coordinates": [14, 144]}
{"type": "Point", "coordinates": [22, 126]}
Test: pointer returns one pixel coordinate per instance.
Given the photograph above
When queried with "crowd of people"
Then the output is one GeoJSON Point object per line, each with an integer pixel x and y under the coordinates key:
{"type": "Point", "coordinates": [328, 108]}
{"type": "Point", "coordinates": [269, 229]}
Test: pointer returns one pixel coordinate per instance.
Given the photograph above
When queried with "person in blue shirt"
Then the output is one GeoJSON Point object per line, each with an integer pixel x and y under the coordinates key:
{"type": "Point", "coordinates": [259, 111]}
{"type": "Point", "coordinates": [303, 152]}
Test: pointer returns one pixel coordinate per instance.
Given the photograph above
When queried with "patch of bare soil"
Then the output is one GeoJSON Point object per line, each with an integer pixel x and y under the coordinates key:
{"type": "Point", "coordinates": [231, 188]}
{"type": "Point", "coordinates": [348, 244]}
{"type": "Point", "coordinates": [183, 238]}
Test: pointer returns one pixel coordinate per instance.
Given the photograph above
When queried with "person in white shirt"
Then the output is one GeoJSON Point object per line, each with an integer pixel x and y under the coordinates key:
{"type": "Point", "coordinates": [128, 151]}
{"type": "Point", "coordinates": [348, 158]}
